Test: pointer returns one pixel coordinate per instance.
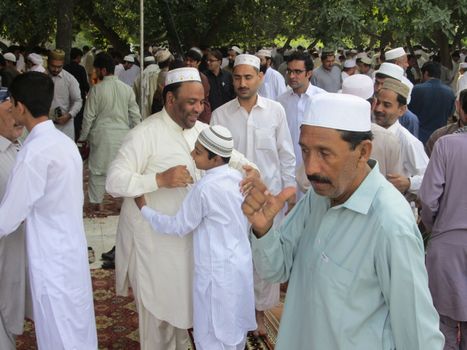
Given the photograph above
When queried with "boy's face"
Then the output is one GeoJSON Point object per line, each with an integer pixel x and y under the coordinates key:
{"type": "Point", "coordinates": [200, 156]}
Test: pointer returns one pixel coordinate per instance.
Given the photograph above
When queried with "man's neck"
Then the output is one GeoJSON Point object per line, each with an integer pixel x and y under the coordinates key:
{"type": "Point", "coordinates": [248, 104]}
{"type": "Point", "coordinates": [216, 72]}
{"type": "Point", "coordinates": [32, 122]}
{"type": "Point", "coordinates": [302, 89]}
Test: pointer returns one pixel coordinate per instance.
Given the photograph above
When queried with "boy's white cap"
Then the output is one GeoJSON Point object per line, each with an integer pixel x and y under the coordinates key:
{"type": "Point", "coordinates": [9, 57]}
{"type": "Point", "coordinates": [350, 63]}
{"type": "Point", "coordinates": [394, 53]}
{"type": "Point", "coordinates": [340, 112]}
{"type": "Point", "coordinates": [360, 85]}
{"type": "Point", "coordinates": [391, 70]}
{"type": "Point", "coordinates": [218, 140]}
{"type": "Point", "coordinates": [247, 59]}
{"type": "Point", "coordinates": [181, 75]}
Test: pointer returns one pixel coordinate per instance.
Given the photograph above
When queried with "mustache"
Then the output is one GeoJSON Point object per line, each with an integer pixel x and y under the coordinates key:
{"type": "Point", "coordinates": [318, 178]}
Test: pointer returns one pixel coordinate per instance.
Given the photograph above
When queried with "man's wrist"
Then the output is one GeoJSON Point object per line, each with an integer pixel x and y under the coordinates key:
{"type": "Point", "coordinates": [260, 232]}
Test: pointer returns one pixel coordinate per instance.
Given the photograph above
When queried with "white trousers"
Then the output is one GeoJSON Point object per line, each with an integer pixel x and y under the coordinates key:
{"type": "Point", "coordinates": [7, 339]}
{"type": "Point", "coordinates": [210, 342]}
{"type": "Point", "coordinates": [266, 294]}
{"type": "Point", "coordinates": [96, 188]}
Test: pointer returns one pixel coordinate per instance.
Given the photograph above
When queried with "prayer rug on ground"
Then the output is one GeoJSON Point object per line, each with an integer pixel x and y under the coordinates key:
{"type": "Point", "coordinates": [116, 319]}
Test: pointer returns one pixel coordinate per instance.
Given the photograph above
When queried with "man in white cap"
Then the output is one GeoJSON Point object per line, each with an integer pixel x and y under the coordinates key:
{"type": "Point", "coordinates": [131, 72]}
{"type": "Point", "coordinates": [110, 112]}
{"type": "Point", "coordinates": [260, 131]}
{"type": "Point", "coordinates": [296, 100]}
{"type": "Point", "coordinates": [233, 52]}
{"type": "Point", "coordinates": [155, 160]}
{"type": "Point", "coordinates": [224, 303]}
{"type": "Point", "coordinates": [35, 63]}
{"type": "Point", "coordinates": [462, 81]}
{"type": "Point", "coordinates": [9, 71]}
{"type": "Point", "coordinates": [349, 68]}
{"type": "Point", "coordinates": [328, 75]}
{"type": "Point", "coordinates": [273, 82]}
{"type": "Point", "coordinates": [397, 56]}
{"type": "Point", "coordinates": [67, 101]}
{"type": "Point", "coordinates": [390, 70]}
{"type": "Point", "coordinates": [150, 74]}
{"type": "Point", "coordinates": [13, 274]}
{"type": "Point", "coordinates": [350, 249]}
{"type": "Point", "coordinates": [391, 103]}
{"type": "Point", "coordinates": [364, 66]}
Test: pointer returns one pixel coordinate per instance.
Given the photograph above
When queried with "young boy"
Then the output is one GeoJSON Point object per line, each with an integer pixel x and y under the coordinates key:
{"type": "Point", "coordinates": [224, 308]}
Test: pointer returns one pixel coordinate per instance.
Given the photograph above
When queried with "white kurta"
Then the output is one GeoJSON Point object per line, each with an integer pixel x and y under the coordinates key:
{"type": "Point", "coordinates": [164, 264]}
{"type": "Point", "coordinates": [295, 107]}
{"type": "Point", "coordinates": [273, 84]}
{"type": "Point", "coordinates": [46, 189]}
{"type": "Point", "coordinates": [67, 96]}
{"type": "Point", "coordinates": [413, 156]}
{"type": "Point", "coordinates": [12, 257]}
{"type": "Point", "coordinates": [129, 76]}
{"type": "Point", "coordinates": [223, 294]}
{"type": "Point", "coordinates": [150, 75]}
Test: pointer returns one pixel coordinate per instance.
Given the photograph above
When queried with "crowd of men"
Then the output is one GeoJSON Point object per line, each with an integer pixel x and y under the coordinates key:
{"type": "Point", "coordinates": [340, 151]}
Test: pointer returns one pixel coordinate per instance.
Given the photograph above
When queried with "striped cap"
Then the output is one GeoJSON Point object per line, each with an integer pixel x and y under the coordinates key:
{"type": "Point", "coordinates": [218, 140]}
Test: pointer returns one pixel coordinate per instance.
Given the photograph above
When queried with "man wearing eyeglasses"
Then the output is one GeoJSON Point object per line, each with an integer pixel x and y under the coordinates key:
{"type": "Point", "coordinates": [220, 80]}
{"type": "Point", "coordinates": [295, 101]}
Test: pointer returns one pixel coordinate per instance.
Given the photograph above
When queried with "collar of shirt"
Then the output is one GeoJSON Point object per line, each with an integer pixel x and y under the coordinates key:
{"type": "Point", "coordinates": [217, 169]}
{"type": "Point", "coordinates": [4, 143]}
{"type": "Point", "coordinates": [39, 129]}
{"type": "Point", "coordinates": [260, 102]}
{"type": "Point", "coordinates": [394, 126]}
{"type": "Point", "coordinates": [360, 201]}
{"type": "Point", "coordinates": [110, 77]}
{"type": "Point", "coordinates": [170, 122]}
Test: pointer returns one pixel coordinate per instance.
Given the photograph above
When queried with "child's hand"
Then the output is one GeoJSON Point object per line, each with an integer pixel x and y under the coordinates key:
{"type": "Point", "coordinates": [140, 201]}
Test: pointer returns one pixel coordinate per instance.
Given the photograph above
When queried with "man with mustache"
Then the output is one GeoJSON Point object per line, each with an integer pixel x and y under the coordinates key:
{"type": "Point", "coordinates": [350, 249]}
{"type": "Point", "coordinates": [259, 129]}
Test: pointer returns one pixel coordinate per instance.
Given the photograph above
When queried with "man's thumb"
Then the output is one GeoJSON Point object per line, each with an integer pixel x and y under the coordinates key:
{"type": "Point", "coordinates": [286, 193]}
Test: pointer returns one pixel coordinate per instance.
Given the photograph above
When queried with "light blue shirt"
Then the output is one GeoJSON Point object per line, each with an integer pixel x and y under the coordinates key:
{"type": "Point", "coordinates": [357, 278]}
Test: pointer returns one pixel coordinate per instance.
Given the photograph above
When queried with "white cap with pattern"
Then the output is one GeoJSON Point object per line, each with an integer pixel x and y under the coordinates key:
{"type": "Point", "coordinates": [181, 75]}
{"type": "Point", "coordinates": [218, 140]}
{"type": "Point", "coordinates": [247, 59]}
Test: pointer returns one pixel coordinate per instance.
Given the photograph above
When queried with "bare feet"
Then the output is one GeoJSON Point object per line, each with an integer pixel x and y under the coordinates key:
{"type": "Point", "coordinates": [261, 330]}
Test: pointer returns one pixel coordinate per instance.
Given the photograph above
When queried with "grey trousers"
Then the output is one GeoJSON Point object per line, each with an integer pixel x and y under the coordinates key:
{"type": "Point", "coordinates": [450, 330]}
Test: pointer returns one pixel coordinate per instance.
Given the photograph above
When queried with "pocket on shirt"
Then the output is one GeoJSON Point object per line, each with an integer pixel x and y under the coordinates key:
{"type": "Point", "coordinates": [265, 138]}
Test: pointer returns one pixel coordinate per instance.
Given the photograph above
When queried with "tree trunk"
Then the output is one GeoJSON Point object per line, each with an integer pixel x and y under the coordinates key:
{"type": "Point", "coordinates": [443, 43]}
{"type": "Point", "coordinates": [64, 36]}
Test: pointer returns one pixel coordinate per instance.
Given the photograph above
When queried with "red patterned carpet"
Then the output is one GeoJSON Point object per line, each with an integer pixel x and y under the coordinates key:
{"type": "Point", "coordinates": [116, 319]}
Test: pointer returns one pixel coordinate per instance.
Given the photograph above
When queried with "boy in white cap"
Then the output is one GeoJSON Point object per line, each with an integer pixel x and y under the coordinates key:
{"type": "Point", "coordinates": [350, 249]}
{"type": "Point", "coordinates": [223, 305]}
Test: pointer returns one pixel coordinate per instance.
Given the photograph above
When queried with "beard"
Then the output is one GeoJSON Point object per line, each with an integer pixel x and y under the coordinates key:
{"type": "Point", "coordinates": [263, 68]}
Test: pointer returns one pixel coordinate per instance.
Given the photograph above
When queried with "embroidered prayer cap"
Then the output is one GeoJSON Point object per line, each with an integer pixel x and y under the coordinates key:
{"type": "Point", "coordinates": [129, 58]}
{"type": "Point", "coordinates": [340, 112]}
{"type": "Point", "coordinates": [350, 63]}
{"type": "Point", "coordinates": [35, 58]}
{"type": "Point", "coordinates": [181, 75]}
{"type": "Point", "coordinates": [366, 60]}
{"type": "Point", "coordinates": [57, 54]}
{"type": "Point", "coordinates": [148, 59]}
{"type": "Point", "coordinates": [360, 85]}
{"type": "Point", "coordinates": [218, 140]}
{"type": "Point", "coordinates": [238, 50]}
{"type": "Point", "coordinates": [391, 70]}
{"type": "Point", "coordinates": [264, 53]}
{"type": "Point", "coordinates": [397, 86]}
{"type": "Point", "coordinates": [10, 57]}
{"type": "Point", "coordinates": [163, 55]}
{"type": "Point", "coordinates": [394, 53]}
{"type": "Point", "coordinates": [247, 59]}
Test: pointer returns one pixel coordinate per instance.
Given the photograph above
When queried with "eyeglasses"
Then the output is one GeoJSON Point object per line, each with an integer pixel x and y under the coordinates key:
{"type": "Point", "coordinates": [295, 71]}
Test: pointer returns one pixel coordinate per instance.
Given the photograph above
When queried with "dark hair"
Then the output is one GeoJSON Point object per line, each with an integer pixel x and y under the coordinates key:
{"type": "Point", "coordinates": [216, 53]}
{"type": "Point", "coordinates": [2, 60]}
{"type": "Point", "coordinates": [326, 54]}
{"type": "Point", "coordinates": [354, 138]}
{"type": "Point", "coordinates": [211, 155]}
{"type": "Point", "coordinates": [75, 52]}
{"type": "Point", "coordinates": [301, 56]}
{"type": "Point", "coordinates": [164, 64]}
{"type": "Point", "coordinates": [170, 88]}
{"type": "Point", "coordinates": [463, 100]}
{"type": "Point", "coordinates": [104, 60]}
{"type": "Point", "coordinates": [433, 69]}
{"type": "Point", "coordinates": [34, 90]}
{"type": "Point", "coordinates": [194, 55]}
{"type": "Point", "coordinates": [401, 100]}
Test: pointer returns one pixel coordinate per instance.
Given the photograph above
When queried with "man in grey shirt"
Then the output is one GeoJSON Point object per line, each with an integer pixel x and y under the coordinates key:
{"type": "Point", "coordinates": [328, 75]}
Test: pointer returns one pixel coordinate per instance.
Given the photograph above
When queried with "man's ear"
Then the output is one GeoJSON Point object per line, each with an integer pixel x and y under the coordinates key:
{"type": "Point", "coordinates": [365, 148]}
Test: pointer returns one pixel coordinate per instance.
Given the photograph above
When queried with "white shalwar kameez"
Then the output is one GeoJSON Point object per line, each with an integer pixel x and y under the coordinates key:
{"type": "Point", "coordinates": [264, 137]}
{"type": "Point", "coordinates": [46, 189]}
{"type": "Point", "coordinates": [273, 84]}
{"type": "Point", "coordinates": [161, 266]}
{"type": "Point", "coordinates": [223, 297]}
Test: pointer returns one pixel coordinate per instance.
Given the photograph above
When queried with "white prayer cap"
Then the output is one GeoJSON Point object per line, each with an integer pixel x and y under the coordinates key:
{"type": "Point", "coordinates": [394, 53]}
{"type": "Point", "coordinates": [339, 111]}
{"type": "Point", "coordinates": [251, 60]}
{"type": "Point", "coordinates": [463, 65]}
{"type": "Point", "coordinates": [163, 55]}
{"type": "Point", "coordinates": [129, 58]}
{"type": "Point", "coordinates": [361, 55]}
{"type": "Point", "coordinates": [418, 52]}
{"type": "Point", "coordinates": [10, 57]}
{"type": "Point", "coordinates": [353, 51]}
{"type": "Point", "coordinates": [218, 140]}
{"type": "Point", "coordinates": [391, 70]}
{"type": "Point", "coordinates": [264, 53]}
{"type": "Point", "coordinates": [181, 75]}
{"type": "Point", "coordinates": [366, 60]}
{"type": "Point", "coordinates": [35, 58]}
{"type": "Point", "coordinates": [238, 50]}
{"type": "Point", "coordinates": [148, 59]}
{"type": "Point", "coordinates": [350, 63]}
{"type": "Point", "coordinates": [360, 85]}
